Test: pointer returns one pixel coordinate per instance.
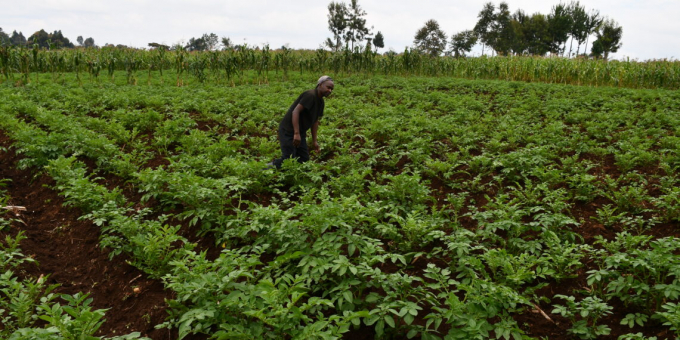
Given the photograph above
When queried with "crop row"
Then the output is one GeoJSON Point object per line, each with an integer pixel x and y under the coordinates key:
{"type": "Point", "coordinates": [230, 66]}
{"type": "Point", "coordinates": [438, 208]}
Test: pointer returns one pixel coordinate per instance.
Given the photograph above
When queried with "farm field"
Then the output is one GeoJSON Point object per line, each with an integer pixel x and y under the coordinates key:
{"type": "Point", "coordinates": [438, 208]}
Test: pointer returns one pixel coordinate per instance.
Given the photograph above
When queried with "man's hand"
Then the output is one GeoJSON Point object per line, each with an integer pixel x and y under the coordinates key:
{"type": "Point", "coordinates": [316, 147]}
{"type": "Point", "coordinates": [297, 140]}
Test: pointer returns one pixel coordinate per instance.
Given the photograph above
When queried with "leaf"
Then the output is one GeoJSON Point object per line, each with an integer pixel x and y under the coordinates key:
{"type": "Point", "coordinates": [409, 319]}
{"type": "Point", "coordinates": [402, 311]}
{"type": "Point", "coordinates": [372, 297]}
{"type": "Point", "coordinates": [380, 328]}
{"type": "Point", "coordinates": [390, 321]}
{"type": "Point", "coordinates": [412, 333]}
{"type": "Point", "coordinates": [371, 320]}
{"type": "Point", "coordinates": [348, 296]}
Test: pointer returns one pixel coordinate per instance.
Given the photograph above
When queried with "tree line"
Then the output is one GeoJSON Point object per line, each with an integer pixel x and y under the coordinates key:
{"type": "Point", "coordinates": [519, 33]}
{"type": "Point", "coordinates": [43, 39]}
{"type": "Point", "coordinates": [497, 30]}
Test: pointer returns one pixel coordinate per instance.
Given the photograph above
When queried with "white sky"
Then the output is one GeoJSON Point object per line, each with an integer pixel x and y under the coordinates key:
{"type": "Point", "coordinates": [651, 29]}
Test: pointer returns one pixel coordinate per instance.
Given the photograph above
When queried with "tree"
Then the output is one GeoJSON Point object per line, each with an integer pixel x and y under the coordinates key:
{"type": "Point", "coordinates": [159, 46]}
{"type": "Point", "coordinates": [579, 25]}
{"type": "Point", "coordinates": [39, 38]}
{"type": "Point", "coordinates": [608, 38]}
{"type": "Point", "coordinates": [594, 21]}
{"type": "Point", "coordinates": [17, 39]}
{"type": "Point", "coordinates": [518, 23]}
{"type": "Point", "coordinates": [211, 41]}
{"type": "Point", "coordinates": [430, 38]}
{"type": "Point", "coordinates": [502, 36]}
{"type": "Point", "coordinates": [537, 34]}
{"type": "Point", "coordinates": [227, 44]}
{"type": "Point", "coordinates": [207, 42]}
{"type": "Point", "coordinates": [378, 41]}
{"type": "Point", "coordinates": [337, 24]}
{"type": "Point", "coordinates": [356, 24]}
{"type": "Point", "coordinates": [559, 26]}
{"type": "Point", "coordinates": [89, 42]}
{"type": "Point", "coordinates": [47, 40]}
{"type": "Point", "coordinates": [195, 44]}
{"type": "Point", "coordinates": [483, 27]}
{"type": "Point", "coordinates": [4, 38]}
{"type": "Point", "coordinates": [462, 42]}
{"type": "Point", "coordinates": [60, 40]}
{"type": "Point", "coordinates": [80, 40]}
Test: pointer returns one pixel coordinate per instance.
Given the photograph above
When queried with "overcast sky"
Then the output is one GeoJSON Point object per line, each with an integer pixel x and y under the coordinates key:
{"type": "Point", "coordinates": [651, 28]}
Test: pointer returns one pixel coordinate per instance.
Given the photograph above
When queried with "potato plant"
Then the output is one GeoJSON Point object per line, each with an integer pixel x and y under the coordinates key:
{"type": "Point", "coordinates": [438, 208]}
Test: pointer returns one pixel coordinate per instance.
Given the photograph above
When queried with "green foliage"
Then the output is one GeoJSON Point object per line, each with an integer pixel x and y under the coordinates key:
{"type": "Point", "coordinates": [670, 316]}
{"type": "Point", "coordinates": [590, 310]}
{"type": "Point", "coordinates": [430, 39]}
{"type": "Point", "coordinates": [245, 65]}
{"type": "Point", "coordinates": [608, 38]}
{"type": "Point", "coordinates": [437, 208]}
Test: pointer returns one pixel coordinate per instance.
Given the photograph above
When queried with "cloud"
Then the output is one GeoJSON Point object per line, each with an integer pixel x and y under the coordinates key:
{"type": "Point", "coordinates": [648, 27]}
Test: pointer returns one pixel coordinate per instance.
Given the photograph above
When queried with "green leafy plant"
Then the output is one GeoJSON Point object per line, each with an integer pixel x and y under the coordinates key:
{"type": "Point", "coordinates": [584, 316]}
{"type": "Point", "coordinates": [670, 316]}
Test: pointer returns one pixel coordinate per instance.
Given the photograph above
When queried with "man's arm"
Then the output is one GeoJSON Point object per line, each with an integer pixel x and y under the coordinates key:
{"type": "Point", "coordinates": [315, 128]}
{"type": "Point", "coordinates": [296, 125]}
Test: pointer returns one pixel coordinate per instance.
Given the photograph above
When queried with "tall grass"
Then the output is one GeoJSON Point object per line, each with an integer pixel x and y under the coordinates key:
{"type": "Point", "coordinates": [18, 64]}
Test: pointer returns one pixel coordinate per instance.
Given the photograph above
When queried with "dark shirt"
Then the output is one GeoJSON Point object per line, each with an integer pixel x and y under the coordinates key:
{"type": "Point", "coordinates": [313, 111]}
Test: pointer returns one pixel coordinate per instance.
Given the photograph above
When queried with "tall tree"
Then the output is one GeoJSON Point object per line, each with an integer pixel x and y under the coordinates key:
{"type": "Point", "coordinates": [501, 27]}
{"type": "Point", "coordinates": [89, 42]}
{"type": "Point", "coordinates": [356, 24]}
{"type": "Point", "coordinates": [227, 44]}
{"type": "Point", "coordinates": [207, 42]}
{"type": "Point", "coordinates": [17, 39]}
{"type": "Point", "coordinates": [462, 42]}
{"type": "Point", "coordinates": [537, 33]}
{"type": "Point", "coordinates": [48, 40]}
{"type": "Point", "coordinates": [484, 24]}
{"type": "Point", "coordinates": [211, 41]}
{"type": "Point", "coordinates": [4, 38]}
{"type": "Point", "coordinates": [378, 41]}
{"type": "Point", "coordinates": [518, 22]}
{"type": "Point", "coordinates": [594, 21]}
{"type": "Point", "coordinates": [195, 44]}
{"type": "Point", "coordinates": [337, 23]}
{"type": "Point", "coordinates": [39, 38]}
{"type": "Point", "coordinates": [579, 25]}
{"type": "Point", "coordinates": [430, 38]}
{"type": "Point", "coordinates": [608, 38]}
{"type": "Point", "coordinates": [60, 40]}
{"type": "Point", "coordinates": [559, 22]}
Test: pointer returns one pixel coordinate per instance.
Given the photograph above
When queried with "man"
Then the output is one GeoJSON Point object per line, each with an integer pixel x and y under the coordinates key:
{"type": "Point", "coordinates": [303, 115]}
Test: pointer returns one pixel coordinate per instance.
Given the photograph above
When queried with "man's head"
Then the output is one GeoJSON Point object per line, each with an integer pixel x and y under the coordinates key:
{"type": "Point", "coordinates": [325, 86]}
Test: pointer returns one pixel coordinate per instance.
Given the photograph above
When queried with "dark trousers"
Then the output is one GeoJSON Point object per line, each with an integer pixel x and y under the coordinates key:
{"type": "Point", "coordinates": [288, 150]}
